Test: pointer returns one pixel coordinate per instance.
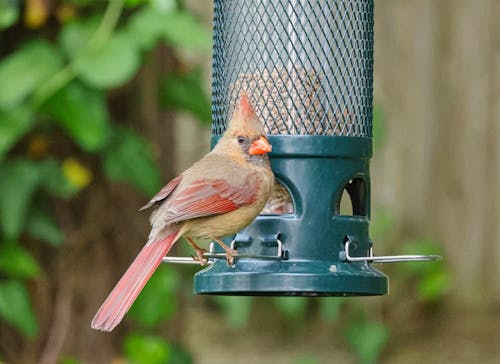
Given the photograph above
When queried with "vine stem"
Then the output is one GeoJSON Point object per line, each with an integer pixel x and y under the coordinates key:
{"type": "Point", "coordinates": [97, 40]}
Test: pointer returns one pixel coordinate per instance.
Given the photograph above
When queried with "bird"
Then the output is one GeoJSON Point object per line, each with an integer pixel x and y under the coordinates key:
{"type": "Point", "coordinates": [217, 196]}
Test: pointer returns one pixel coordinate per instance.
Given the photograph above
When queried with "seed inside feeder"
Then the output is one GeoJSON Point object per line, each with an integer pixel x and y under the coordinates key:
{"type": "Point", "coordinates": [291, 102]}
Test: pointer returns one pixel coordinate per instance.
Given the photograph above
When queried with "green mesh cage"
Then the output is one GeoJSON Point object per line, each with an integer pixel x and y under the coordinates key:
{"type": "Point", "coordinates": [307, 65]}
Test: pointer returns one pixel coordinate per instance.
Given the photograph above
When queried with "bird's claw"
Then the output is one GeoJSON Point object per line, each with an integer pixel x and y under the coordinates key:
{"type": "Point", "coordinates": [200, 258]}
{"type": "Point", "coordinates": [230, 256]}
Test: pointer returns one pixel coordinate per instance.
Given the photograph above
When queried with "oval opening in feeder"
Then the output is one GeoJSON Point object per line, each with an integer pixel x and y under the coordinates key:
{"type": "Point", "coordinates": [280, 202]}
{"type": "Point", "coordinates": [353, 199]}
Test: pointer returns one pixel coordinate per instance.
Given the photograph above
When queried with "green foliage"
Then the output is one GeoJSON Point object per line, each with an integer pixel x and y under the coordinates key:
{"type": "Point", "coordinates": [379, 125]}
{"type": "Point", "coordinates": [236, 308]}
{"type": "Point", "coordinates": [42, 226]}
{"type": "Point", "coordinates": [55, 84]}
{"type": "Point", "coordinates": [179, 355]}
{"type": "Point", "coordinates": [84, 116]}
{"type": "Point", "coordinates": [146, 349]}
{"type": "Point", "coordinates": [14, 124]}
{"type": "Point", "coordinates": [54, 181]}
{"type": "Point", "coordinates": [74, 36]}
{"type": "Point", "coordinates": [293, 308]}
{"type": "Point", "coordinates": [129, 158]}
{"type": "Point", "coordinates": [9, 13]}
{"type": "Point", "coordinates": [110, 65]}
{"type": "Point", "coordinates": [68, 360]}
{"type": "Point", "coordinates": [15, 307]}
{"type": "Point", "coordinates": [183, 92]}
{"type": "Point", "coordinates": [182, 29]}
{"type": "Point", "coordinates": [145, 27]}
{"type": "Point", "coordinates": [381, 225]}
{"type": "Point", "coordinates": [330, 309]}
{"type": "Point", "coordinates": [367, 339]}
{"type": "Point", "coordinates": [22, 72]}
{"type": "Point", "coordinates": [166, 22]}
{"type": "Point", "coordinates": [157, 301]}
{"type": "Point", "coordinates": [433, 280]}
{"type": "Point", "coordinates": [17, 262]}
{"type": "Point", "coordinates": [19, 179]}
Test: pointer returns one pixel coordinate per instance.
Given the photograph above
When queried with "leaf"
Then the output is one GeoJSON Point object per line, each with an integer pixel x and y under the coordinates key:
{"type": "Point", "coordinates": [184, 92]}
{"type": "Point", "coordinates": [145, 27]}
{"type": "Point", "coordinates": [53, 179]}
{"type": "Point", "coordinates": [157, 301]}
{"type": "Point", "coordinates": [19, 180]}
{"type": "Point", "coordinates": [236, 308]}
{"type": "Point", "coordinates": [9, 13]}
{"type": "Point", "coordinates": [367, 339]}
{"type": "Point", "coordinates": [179, 355]}
{"type": "Point", "coordinates": [292, 307]}
{"type": "Point", "coordinates": [82, 113]}
{"type": "Point", "coordinates": [182, 29]}
{"type": "Point", "coordinates": [14, 124]}
{"type": "Point", "coordinates": [42, 226]}
{"type": "Point", "coordinates": [134, 3]}
{"type": "Point", "coordinates": [433, 286]}
{"type": "Point", "coordinates": [17, 262]}
{"type": "Point", "coordinates": [162, 20]}
{"type": "Point", "coordinates": [25, 70]}
{"type": "Point", "coordinates": [330, 309]}
{"type": "Point", "coordinates": [74, 36]}
{"type": "Point", "coordinates": [164, 6]}
{"type": "Point", "coordinates": [15, 308]}
{"type": "Point", "coordinates": [110, 65]}
{"type": "Point", "coordinates": [146, 349]}
{"type": "Point", "coordinates": [129, 159]}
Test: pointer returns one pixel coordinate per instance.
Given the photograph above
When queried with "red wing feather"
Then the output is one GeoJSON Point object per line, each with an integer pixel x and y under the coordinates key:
{"type": "Point", "coordinates": [164, 193]}
{"type": "Point", "coordinates": [210, 197]}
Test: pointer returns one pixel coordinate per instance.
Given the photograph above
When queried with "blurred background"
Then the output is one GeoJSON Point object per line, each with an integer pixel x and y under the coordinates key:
{"type": "Point", "coordinates": [101, 103]}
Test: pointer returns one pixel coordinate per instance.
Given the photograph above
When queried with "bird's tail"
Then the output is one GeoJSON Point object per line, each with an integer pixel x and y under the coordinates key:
{"type": "Point", "coordinates": [132, 282]}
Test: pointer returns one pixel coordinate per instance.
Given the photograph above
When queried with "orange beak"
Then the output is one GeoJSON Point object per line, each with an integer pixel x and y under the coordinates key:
{"type": "Point", "coordinates": [260, 146]}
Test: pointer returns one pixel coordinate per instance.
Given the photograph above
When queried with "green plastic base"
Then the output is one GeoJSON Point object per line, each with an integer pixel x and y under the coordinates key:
{"type": "Point", "coordinates": [316, 170]}
{"type": "Point", "coordinates": [260, 278]}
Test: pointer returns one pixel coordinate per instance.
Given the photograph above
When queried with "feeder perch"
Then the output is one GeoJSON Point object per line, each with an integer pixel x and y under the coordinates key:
{"type": "Point", "coordinates": [307, 67]}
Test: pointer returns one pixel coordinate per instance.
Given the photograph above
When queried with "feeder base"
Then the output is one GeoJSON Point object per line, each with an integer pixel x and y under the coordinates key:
{"type": "Point", "coordinates": [290, 278]}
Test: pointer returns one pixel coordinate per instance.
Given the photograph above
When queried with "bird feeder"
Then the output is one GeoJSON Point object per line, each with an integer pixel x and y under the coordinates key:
{"type": "Point", "coordinates": [307, 67]}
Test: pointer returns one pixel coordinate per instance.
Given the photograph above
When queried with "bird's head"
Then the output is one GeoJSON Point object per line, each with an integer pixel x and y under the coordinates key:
{"type": "Point", "coordinates": [245, 133]}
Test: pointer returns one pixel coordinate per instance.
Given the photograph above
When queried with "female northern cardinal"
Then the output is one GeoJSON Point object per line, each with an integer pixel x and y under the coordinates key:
{"type": "Point", "coordinates": [219, 195]}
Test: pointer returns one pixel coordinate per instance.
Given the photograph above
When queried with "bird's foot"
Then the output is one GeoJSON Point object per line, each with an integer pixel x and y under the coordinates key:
{"type": "Point", "coordinates": [230, 253]}
{"type": "Point", "coordinates": [200, 258]}
{"type": "Point", "coordinates": [230, 256]}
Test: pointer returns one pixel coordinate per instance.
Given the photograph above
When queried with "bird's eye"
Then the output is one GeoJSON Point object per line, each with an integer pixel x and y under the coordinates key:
{"type": "Point", "coordinates": [241, 139]}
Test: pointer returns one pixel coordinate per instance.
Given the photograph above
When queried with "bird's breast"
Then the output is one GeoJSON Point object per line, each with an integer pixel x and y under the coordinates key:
{"type": "Point", "coordinates": [218, 226]}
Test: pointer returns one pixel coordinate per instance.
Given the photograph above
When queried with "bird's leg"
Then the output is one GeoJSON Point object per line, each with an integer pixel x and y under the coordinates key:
{"type": "Point", "coordinates": [230, 253]}
{"type": "Point", "coordinates": [199, 252]}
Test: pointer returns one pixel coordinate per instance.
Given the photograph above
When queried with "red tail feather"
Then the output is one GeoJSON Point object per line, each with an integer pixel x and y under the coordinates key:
{"type": "Point", "coordinates": [130, 285]}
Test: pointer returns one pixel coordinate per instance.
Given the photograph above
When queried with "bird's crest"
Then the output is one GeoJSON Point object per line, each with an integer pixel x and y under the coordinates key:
{"type": "Point", "coordinates": [245, 119]}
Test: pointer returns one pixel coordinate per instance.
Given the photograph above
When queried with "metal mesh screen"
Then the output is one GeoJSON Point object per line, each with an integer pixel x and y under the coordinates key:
{"type": "Point", "coordinates": [307, 65]}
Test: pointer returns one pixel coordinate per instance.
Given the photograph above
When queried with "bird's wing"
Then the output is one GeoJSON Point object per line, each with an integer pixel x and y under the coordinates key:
{"type": "Point", "coordinates": [205, 197]}
{"type": "Point", "coordinates": [164, 193]}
